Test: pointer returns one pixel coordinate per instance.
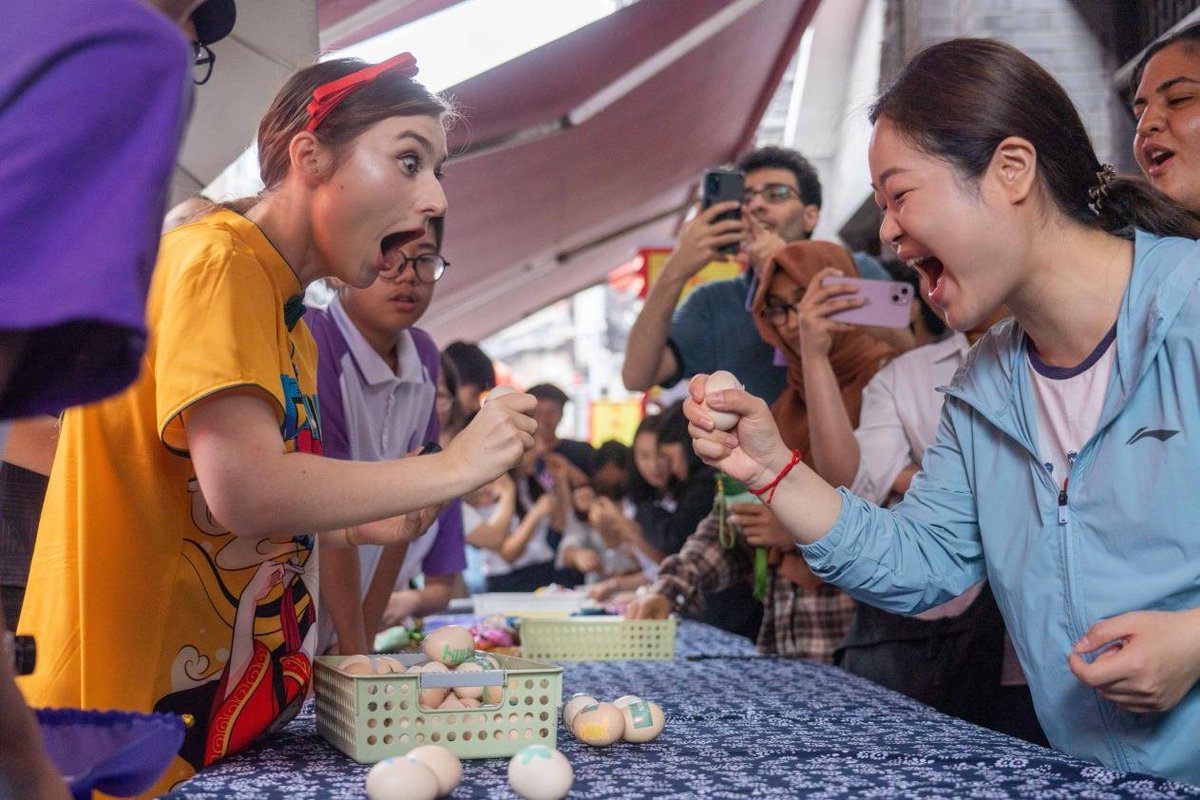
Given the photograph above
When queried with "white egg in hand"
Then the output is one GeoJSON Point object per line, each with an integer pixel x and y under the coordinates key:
{"type": "Point", "coordinates": [401, 778]}
{"type": "Point", "coordinates": [538, 772]}
{"type": "Point", "coordinates": [499, 391]}
{"type": "Point", "coordinates": [721, 379]}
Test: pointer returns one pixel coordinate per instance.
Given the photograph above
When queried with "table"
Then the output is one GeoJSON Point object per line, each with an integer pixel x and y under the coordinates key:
{"type": "Point", "coordinates": [738, 725]}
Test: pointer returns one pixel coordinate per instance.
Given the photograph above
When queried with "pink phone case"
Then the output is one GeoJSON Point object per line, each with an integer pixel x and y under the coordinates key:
{"type": "Point", "coordinates": [889, 303]}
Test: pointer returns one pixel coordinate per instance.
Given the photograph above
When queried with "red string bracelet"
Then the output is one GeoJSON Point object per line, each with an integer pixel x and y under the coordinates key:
{"type": "Point", "coordinates": [770, 487]}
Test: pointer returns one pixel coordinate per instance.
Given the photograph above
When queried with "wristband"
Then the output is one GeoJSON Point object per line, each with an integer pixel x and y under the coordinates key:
{"type": "Point", "coordinates": [770, 487]}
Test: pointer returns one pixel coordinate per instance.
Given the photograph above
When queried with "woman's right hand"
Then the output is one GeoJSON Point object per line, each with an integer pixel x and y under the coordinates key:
{"type": "Point", "coordinates": [495, 439]}
{"type": "Point", "coordinates": [752, 452]}
{"type": "Point", "coordinates": [649, 606]}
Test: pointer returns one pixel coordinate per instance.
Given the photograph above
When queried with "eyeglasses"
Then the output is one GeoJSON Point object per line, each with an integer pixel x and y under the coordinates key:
{"type": "Point", "coordinates": [777, 315]}
{"type": "Point", "coordinates": [772, 193]}
{"type": "Point", "coordinates": [429, 267]}
{"type": "Point", "coordinates": [203, 59]}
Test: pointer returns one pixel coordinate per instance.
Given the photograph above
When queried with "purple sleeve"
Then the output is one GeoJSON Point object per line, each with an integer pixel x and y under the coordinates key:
{"type": "Point", "coordinates": [91, 115]}
{"type": "Point", "coordinates": [331, 348]}
{"type": "Point", "coordinates": [428, 352]}
{"type": "Point", "coordinates": [448, 555]}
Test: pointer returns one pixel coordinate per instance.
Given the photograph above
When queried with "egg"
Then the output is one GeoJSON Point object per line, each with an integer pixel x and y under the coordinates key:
{"type": "Point", "coordinates": [445, 766]}
{"type": "Point", "coordinates": [643, 721]}
{"type": "Point", "coordinates": [401, 778]}
{"type": "Point", "coordinates": [451, 703]}
{"type": "Point", "coordinates": [451, 645]}
{"type": "Point", "coordinates": [598, 725]}
{"type": "Point", "coordinates": [572, 706]}
{"type": "Point", "coordinates": [538, 772]}
{"type": "Point", "coordinates": [429, 666]}
{"type": "Point", "coordinates": [626, 699]}
{"type": "Point", "coordinates": [356, 665]}
{"type": "Point", "coordinates": [468, 692]}
{"type": "Point", "coordinates": [386, 665]}
{"type": "Point", "coordinates": [468, 702]}
{"type": "Point", "coordinates": [492, 695]}
{"type": "Point", "coordinates": [499, 391]}
{"type": "Point", "coordinates": [721, 379]}
{"type": "Point", "coordinates": [486, 660]}
{"type": "Point", "coordinates": [432, 696]}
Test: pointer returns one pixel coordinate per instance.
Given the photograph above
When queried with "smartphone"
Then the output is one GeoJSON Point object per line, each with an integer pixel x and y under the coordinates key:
{"type": "Point", "coordinates": [429, 447]}
{"type": "Point", "coordinates": [721, 185]}
{"type": "Point", "coordinates": [888, 303]}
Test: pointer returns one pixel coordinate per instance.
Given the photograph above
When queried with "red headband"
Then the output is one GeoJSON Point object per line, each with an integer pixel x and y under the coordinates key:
{"type": "Point", "coordinates": [325, 98]}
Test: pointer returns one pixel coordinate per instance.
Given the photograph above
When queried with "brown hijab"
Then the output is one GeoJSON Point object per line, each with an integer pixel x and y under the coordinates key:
{"type": "Point", "coordinates": [855, 356]}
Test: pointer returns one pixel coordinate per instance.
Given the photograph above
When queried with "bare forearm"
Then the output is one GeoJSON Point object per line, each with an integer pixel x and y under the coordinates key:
{"type": "Point", "coordinates": [435, 596]}
{"type": "Point", "coordinates": [340, 581]}
{"type": "Point", "coordinates": [804, 503]}
{"type": "Point", "coordinates": [515, 544]}
{"type": "Point", "coordinates": [300, 493]}
{"type": "Point", "coordinates": [644, 357]}
{"type": "Point", "coordinates": [831, 436]}
{"type": "Point", "coordinates": [383, 583]}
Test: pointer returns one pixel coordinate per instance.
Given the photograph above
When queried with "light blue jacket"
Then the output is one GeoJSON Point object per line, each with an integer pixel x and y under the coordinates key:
{"type": "Point", "coordinates": [1126, 537]}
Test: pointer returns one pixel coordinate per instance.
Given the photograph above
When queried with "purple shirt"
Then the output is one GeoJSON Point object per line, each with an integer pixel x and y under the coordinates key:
{"type": "Point", "coordinates": [375, 425]}
{"type": "Point", "coordinates": [93, 100]}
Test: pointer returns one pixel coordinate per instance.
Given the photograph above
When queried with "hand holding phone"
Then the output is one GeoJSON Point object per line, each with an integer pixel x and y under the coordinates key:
{"type": "Point", "coordinates": [886, 304]}
{"type": "Point", "coordinates": [724, 185]}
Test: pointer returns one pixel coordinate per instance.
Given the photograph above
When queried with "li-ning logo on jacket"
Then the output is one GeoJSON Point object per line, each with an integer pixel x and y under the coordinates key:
{"type": "Point", "coordinates": [1162, 434]}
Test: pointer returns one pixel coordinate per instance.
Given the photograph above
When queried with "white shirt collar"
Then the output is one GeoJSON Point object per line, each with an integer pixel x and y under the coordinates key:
{"type": "Point", "coordinates": [374, 370]}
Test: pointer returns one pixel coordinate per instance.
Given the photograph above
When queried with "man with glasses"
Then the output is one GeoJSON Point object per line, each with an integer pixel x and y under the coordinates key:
{"type": "Point", "coordinates": [713, 330]}
{"type": "Point", "coordinates": [93, 103]}
{"type": "Point", "coordinates": [377, 377]}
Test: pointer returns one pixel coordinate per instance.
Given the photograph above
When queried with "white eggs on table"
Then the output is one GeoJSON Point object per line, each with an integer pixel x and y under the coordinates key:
{"type": "Point", "coordinates": [719, 380]}
{"type": "Point", "coordinates": [538, 772]}
{"type": "Point", "coordinates": [401, 778]}
{"type": "Point", "coordinates": [445, 766]}
{"type": "Point", "coordinates": [643, 721]}
{"type": "Point", "coordinates": [451, 645]}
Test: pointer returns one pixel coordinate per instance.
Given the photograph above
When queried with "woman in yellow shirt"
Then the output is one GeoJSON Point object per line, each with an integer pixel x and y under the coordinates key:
{"type": "Point", "coordinates": [175, 567]}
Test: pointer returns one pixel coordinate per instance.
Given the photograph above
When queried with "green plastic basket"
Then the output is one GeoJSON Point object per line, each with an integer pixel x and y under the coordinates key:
{"type": "Point", "coordinates": [598, 639]}
{"type": "Point", "coordinates": [371, 717]}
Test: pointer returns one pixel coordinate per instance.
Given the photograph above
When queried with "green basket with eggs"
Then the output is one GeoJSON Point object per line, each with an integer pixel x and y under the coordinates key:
{"type": "Point", "coordinates": [372, 717]}
{"type": "Point", "coordinates": [598, 638]}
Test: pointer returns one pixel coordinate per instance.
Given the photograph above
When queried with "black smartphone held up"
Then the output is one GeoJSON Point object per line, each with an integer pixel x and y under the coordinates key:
{"type": "Point", "coordinates": [721, 185]}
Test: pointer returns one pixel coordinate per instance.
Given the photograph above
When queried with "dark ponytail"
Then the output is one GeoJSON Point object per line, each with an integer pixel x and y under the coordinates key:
{"type": "Point", "coordinates": [994, 91]}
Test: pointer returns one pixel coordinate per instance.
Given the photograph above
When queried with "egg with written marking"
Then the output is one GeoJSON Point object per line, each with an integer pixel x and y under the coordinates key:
{"type": "Point", "coordinates": [643, 721]}
{"type": "Point", "coordinates": [719, 380]}
{"type": "Point", "coordinates": [401, 778]}
{"type": "Point", "coordinates": [538, 772]}
{"type": "Point", "coordinates": [451, 645]}
{"type": "Point", "coordinates": [598, 725]}
{"type": "Point", "coordinates": [445, 766]}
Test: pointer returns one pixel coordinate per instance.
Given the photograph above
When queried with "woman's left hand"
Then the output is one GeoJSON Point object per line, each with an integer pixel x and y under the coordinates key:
{"type": "Point", "coordinates": [1150, 660]}
{"type": "Point", "coordinates": [813, 310]}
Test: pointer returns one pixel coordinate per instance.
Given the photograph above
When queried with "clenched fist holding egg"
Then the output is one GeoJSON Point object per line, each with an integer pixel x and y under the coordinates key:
{"type": "Point", "coordinates": [721, 379]}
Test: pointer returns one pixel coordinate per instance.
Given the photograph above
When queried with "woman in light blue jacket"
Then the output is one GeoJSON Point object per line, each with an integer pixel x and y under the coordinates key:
{"type": "Point", "coordinates": [1065, 470]}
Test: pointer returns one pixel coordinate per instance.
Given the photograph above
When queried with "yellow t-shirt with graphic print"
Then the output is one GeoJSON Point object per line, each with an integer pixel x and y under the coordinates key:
{"type": "Point", "coordinates": [140, 600]}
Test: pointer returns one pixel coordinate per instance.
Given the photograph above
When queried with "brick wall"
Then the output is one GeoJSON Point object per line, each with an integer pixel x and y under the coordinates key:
{"type": "Point", "coordinates": [1049, 31]}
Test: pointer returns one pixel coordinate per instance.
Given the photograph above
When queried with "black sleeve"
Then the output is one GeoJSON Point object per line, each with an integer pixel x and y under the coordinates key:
{"type": "Point", "coordinates": [695, 503]}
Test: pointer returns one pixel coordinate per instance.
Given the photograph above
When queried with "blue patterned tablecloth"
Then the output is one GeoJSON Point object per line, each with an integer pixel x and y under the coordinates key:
{"type": "Point", "coordinates": [738, 726]}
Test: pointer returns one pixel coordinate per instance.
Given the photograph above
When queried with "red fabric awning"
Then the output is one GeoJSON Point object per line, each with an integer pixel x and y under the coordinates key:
{"type": "Point", "coordinates": [574, 154]}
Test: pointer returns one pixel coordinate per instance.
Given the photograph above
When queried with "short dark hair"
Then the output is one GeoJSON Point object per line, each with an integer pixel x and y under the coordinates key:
{"type": "Point", "coordinates": [474, 367]}
{"type": "Point", "coordinates": [784, 158]}
{"type": "Point", "coordinates": [548, 391]}
{"type": "Point", "coordinates": [1188, 36]}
